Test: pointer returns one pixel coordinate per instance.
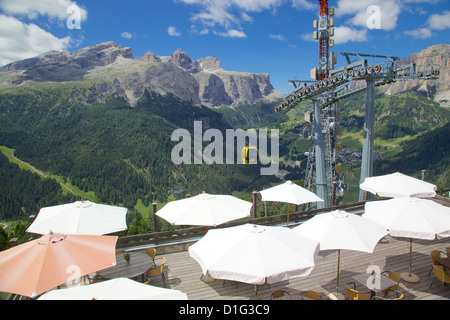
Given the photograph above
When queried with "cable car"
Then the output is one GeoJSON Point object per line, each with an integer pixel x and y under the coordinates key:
{"type": "Point", "coordinates": [250, 155]}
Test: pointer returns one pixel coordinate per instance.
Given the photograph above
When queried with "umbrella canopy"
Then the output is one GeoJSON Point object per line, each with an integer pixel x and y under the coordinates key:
{"type": "Point", "coordinates": [115, 289]}
{"type": "Point", "coordinates": [42, 264]}
{"type": "Point", "coordinates": [255, 254]}
{"type": "Point", "coordinates": [398, 185]}
{"type": "Point", "coordinates": [340, 230]}
{"type": "Point", "coordinates": [205, 210]}
{"type": "Point", "coordinates": [410, 217]}
{"type": "Point", "coordinates": [289, 192]}
{"type": "Point", "coordinates": [80, 217]}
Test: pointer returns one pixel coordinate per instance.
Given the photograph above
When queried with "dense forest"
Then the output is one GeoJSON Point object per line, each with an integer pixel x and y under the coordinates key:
{"type": "Point", "coordinates": [120, 153]}
{"type": "Point", "coordinates": [24, 193]}
{"type": "Point", "coordinates": [429, 151]}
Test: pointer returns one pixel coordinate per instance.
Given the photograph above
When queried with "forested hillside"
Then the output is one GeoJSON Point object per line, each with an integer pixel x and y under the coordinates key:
{"type": "Point", "coordinates": [120, 153]}
{"type": "Point", "coordinates": [429, 151]}
{"type": "Point", "coordinates": [22, 192]}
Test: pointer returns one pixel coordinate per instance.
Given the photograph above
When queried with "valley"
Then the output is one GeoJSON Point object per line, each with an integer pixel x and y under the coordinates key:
{"type": "Point", "coordinates": [105, 135]}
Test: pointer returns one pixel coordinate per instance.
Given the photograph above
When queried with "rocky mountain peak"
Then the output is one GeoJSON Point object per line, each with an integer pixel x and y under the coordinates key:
{"type": "Point", "coordinates": [150, 57]}
{"type": "Point", "coordinates": [438, 89]}
{"type": "Point", "coordinates": [181, 59]}
{"type": "Point", "coordinates": [64, 66]}
{"type": "Point", "coordinates": [209, 63]}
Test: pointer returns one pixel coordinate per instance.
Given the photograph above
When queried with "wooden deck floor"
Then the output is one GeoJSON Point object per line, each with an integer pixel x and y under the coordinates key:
{"type": "Point", "coordinates": [184, 273]}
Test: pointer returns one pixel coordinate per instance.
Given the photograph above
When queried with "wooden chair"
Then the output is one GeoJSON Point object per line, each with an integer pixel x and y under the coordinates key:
{"type": "Point", "coordinates": [441, 275]}
{"type": "Point", "coordinates": [435, 256]}
{"type": "Point", "coordinates": [310, 294]}
{"type": "Point", "coordinates": [279, 294]}
{"type": "Point", "coordinates": [394, 276]}
{"type": "Point", "coordinates": [159, 271]}
{"type": "Point", "coordinates": [353, 294]}
{"type": "Point", "coordinates": [398, 296]}
{"type": "Point", "coordinates": [151, 252]}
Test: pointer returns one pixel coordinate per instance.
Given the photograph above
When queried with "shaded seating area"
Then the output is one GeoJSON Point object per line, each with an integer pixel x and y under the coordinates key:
{"type": "Point", "coordinates": [442, 275]}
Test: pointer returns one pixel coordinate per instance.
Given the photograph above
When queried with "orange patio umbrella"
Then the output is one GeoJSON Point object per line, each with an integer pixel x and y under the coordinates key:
{"type": "Point", "coordinates": [37, 266]}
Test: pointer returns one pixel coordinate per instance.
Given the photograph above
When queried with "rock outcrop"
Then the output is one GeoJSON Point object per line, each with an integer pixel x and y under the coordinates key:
{"type": "Point", "coordinates": [115, 72]}
{"type": "Point", "coordinates": [437, 90]}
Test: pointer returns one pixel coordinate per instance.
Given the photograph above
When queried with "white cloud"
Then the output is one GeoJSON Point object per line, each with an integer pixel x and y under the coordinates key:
{"type": "Point", "coordinates": [342, 34]}
{"type": "Point", "coordinates": [357, 10]}
{"type": "Point", "coordinates": [346, 34]}
{"type": "Point", "coordinates": [232, 33]}
{"type": "Point", "coordinates": [434, 22]}
{"type": "Point", "coordinates": [421, 33]}
{"type": "Point", "coordinates": [304, 4]}
{"type": "Point", "coordinates": [33, 8]}
{"type": "Point", "coordinates": [231, 14]}
{"type": "Point", "coordinates": [126, 35]}
{"type": "Point", "coordinates": [173, 32]}
{"type": "Point", "coordinates": [439, 21]}
{"type": "Point", "coordinates": [20, 41]}
{"type": "Point", "coordinates": [278, 37]}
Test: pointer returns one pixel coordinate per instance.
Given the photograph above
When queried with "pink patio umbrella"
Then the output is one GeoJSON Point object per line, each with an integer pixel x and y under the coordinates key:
{"type": "Point", "coordinates": [54, 259]}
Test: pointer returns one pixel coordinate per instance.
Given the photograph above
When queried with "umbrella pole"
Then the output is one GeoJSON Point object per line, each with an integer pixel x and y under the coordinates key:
{"type": "Point", "coordinates": [336, 295]}
{"type": "Point", "coordinates": [339, 262]}
{"type": "Point", "coordinates": [410, 256]}
{"type": "Point", "coordinates": [408, 276]}
{"type": "Point", "coordinates": [287, 222]}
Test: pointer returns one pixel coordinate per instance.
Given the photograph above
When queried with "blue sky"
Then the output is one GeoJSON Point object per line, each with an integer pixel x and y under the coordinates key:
{"type": "Point", "coordinates": [259, 36]}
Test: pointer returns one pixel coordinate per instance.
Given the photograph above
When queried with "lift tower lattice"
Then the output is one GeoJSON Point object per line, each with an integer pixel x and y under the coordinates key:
{"type": "Point", "coordinates": [331, 86]}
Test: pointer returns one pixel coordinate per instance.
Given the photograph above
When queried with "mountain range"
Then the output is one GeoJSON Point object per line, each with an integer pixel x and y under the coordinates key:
{"type": "Point", "coordinates": [109, 69]}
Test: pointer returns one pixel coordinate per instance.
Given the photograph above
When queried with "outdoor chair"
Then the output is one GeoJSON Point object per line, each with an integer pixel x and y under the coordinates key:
{"type": "Point", "coordinates": [119, 251]}
{"type": "Point", "coordinates": [353, 294]}
{"type": "Point", "coordinates": [441, 275]}
{"type": "Point", "coordinates": [159, 271]}
{"type": "Point", "coordinates": [310, 294]}
{"type": "Point", "coordinates": [394, 276]}
{"type": "Point", "coordinates": [435, 256]}
{"type": "Point", "coordinates": [279, 294]}
{"type": "Point", "coordinates": [398, 296]}
{"type": "Point", "coordinates": [151, 252]}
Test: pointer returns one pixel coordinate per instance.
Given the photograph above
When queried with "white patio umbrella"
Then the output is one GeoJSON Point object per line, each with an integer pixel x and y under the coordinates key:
{"type": "Point", "coordinates": [205, 210]}
{"type": "Point", "coordinates": [115, 289]}
{"type": "Point", "coordinates": [255, 254]}
{"type": "Point", "coordinates": [80, 217]}
{"type": "Point", "coordinates": [398, 185]}
{"type": "Point", "coordinates": [340, 230]}
{"type": "Point", "coordinates": [289, 192]}
{"type": "Point", "coordinates": [412, 218]}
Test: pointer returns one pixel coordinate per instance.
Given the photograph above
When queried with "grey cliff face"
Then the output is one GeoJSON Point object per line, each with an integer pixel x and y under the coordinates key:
{"type": "Point", "coordinates": [115, 72]}
{"type": "Point", "coordinates": [437, 90]}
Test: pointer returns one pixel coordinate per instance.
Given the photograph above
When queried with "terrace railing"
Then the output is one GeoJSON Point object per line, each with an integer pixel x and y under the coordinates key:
{"type": "Point", "coordinates": [192, 233]}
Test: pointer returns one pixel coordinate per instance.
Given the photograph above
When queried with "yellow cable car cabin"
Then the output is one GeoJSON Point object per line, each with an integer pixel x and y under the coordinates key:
{"type": "Point", "coordinates": [250, 155]}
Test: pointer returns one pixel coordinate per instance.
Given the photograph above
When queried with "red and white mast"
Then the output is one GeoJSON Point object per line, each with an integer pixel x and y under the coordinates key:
{"type": "Point", "coordinates": [325, 31]}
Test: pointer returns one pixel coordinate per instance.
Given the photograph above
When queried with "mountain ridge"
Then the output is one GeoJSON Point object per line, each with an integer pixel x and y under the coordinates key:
{"type": "Point", "coordinates": [113, 70]}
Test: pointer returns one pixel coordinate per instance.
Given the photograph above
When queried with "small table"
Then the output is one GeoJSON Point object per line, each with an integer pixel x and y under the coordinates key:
{"type": "Point", "coordinates": [139, 264]}
{"type": "Point", "coordinates": [383, 284]}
